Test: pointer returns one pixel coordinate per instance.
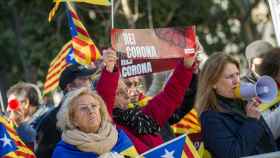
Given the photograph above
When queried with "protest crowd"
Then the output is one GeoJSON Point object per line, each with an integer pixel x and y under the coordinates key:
{"type": "Point", "coordinates": [204, 108]}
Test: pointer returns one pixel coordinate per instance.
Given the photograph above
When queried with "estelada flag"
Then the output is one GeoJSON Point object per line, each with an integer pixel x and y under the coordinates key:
{"type": "Point", "coordinates": [11, 146]}
{"type": "Point", "coordinates": [57, 65]}
{"type": "Point", "coordinates": [85, 51]}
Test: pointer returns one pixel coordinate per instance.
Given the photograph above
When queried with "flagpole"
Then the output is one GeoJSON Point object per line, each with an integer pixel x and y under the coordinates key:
{"type": "Point", "coordinates": [112, 13]}
{"type": "Point", "coordinates": [273, 4]}
{"type": "Point", "coordinates": [2, 103]}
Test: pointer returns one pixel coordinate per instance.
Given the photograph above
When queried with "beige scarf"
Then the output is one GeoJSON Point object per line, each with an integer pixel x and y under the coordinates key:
{"type": "Point", "coordinates": [101, 142]}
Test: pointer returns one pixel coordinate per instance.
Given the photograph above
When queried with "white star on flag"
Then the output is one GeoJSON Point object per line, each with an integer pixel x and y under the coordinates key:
{"type": "Point", "coordinates": [168, 154]}
{"type": "Point", "coordinates": [71, 56]}
{"type": "Point", "coordinates": [6, 141]}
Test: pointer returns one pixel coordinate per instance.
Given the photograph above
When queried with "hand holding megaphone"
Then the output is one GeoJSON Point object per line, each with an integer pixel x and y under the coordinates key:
{"type": "Point", "coordinates": [252, 108]}
{"type": "Point", "coordinates": [265, 89]}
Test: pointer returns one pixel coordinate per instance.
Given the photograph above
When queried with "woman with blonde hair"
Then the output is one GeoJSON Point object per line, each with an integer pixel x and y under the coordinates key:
{"type": "Point", "coordinates": [87, 130]}
{"type": "Point", "coordinates": [231, 127]}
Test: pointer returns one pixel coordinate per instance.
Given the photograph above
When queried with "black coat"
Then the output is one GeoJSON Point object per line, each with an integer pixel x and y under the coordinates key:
{"type": "Point", "coordinates": [232, 135]}
{"type": "Point", "coordinates": [48, 135]}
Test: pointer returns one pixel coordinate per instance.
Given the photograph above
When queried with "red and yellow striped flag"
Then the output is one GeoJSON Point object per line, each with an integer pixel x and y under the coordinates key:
{"type": "Point", "coordinates": [85, 50]}
{"type": "Point", "coordinates": [189, 150]}
{"type": "Point", "coordinates": [57, 65]}
{"type": "Point", "coordinates": [188, 124]}
{"type": "Point", "coordinates": [11, 138]}
{"type": "Point", "coordinates": [95, 2]}
{"type": "Point", "coordinates": [53, 11]}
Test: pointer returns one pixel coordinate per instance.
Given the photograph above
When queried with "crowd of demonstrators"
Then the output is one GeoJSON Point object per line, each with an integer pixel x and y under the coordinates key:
{"type": "Point", "coordinates": [142, 125]}
{"type": "Point", "coordinates": [24, 109]}
{"type": "Point", "coordinates": [231, 127]}
{"type": "Point", "coordinates": [89, 123]}
{"type": "Point", "coordinates": [87, 129]}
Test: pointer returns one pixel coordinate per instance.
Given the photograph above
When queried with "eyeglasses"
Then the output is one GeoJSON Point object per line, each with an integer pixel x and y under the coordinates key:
{"type": "Point", "coordinates": [123, 93]}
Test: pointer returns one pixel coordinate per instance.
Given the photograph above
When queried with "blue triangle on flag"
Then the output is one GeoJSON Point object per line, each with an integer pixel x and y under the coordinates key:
{"type": "Point", "coordinates": [70, 57]}
{"type": "Point", "coordinates": [6, 143]}
{"type": "Point", "coordinates": [170, 149]}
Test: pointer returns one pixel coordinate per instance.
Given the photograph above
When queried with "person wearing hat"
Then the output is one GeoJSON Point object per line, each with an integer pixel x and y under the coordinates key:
{"type": "Point", "coordinates": [72, 78]}
{"type": "Point", "coordinates": [254, 53]}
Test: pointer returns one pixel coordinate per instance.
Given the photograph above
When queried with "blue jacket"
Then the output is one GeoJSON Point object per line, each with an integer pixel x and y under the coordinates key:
{"type": "Point", "coordinates": [123, 146]}
{"type": "Point", "coordinates": [231, 134]}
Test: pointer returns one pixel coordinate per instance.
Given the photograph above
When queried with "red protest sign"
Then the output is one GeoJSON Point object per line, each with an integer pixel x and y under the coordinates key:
{"type": "Point", "coordinates": [143, 51]}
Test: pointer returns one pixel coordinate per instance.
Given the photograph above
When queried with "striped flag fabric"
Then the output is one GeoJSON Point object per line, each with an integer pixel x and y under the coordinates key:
{"type": "Point", "coordinates": [188, 124]}
{"type": "Point", "coordinates": [85, 51]}
{"type": "Point", "coordinates": [95, 2]}
{"type": "Point", "coordinates": [189, 150]}
{"type": "Point", "coordinates": [11, 146]}
{"type": "Point", "coordinates": [58, 64]}
{"type": "Point", "coordinates": [125, 147]}
{"type": "Point", "coordinates": [179, 147]}
{"type": "Point", "coordinates": [53, 11]}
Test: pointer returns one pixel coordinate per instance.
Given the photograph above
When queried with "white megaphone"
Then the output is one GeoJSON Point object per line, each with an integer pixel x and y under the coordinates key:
{"type": "Point", "coordinates": [265, 88]}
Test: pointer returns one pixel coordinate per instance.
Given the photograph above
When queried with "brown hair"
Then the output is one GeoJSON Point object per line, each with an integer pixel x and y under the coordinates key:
{"type": "Point", "coordinates": [27, 90]}
{"type": "Point", "coordinates": [271, 63]}
{"type": "Point", "coordinates": [208, 77]}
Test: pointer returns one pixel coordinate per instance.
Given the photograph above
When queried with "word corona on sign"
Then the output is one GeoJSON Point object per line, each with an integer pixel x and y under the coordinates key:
{"type": "Point", "coordinates": [141, 52]}
{"type": "Point", "coordinates": [137, 51]}
{"type": "Point", "coordinates": [137, 69]}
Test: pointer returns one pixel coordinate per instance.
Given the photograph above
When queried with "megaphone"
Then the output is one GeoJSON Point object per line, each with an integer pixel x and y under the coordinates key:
{"type": "Point", "coordinates": [265, 88]}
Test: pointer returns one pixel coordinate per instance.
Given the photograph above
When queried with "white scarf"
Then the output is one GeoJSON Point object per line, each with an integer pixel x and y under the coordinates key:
{"type": "Point", "coordinates": [101, 142]}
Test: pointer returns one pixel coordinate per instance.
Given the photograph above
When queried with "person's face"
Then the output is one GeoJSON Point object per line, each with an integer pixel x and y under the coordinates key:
{"type": "Point", "coordinates": [228, 81]}
{"type": "Point", "coordinates": [22, 110]}
{"type": "Point", "coordinates": [133, 88]}
{"type": "Point", "coordinates": [256, 62]}
{"type": "Point", "coordinates": [86, 113]}
{"type": "Point", "coordinates": [79, 82]}
{"type": "Point", "coordinates": [133, 94]}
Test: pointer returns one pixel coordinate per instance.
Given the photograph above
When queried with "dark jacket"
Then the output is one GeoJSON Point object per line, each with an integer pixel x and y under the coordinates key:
{"type": "Point", "coordinates": [47, 134]}
{"type": "Point", "coordinates": [231, 134]}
